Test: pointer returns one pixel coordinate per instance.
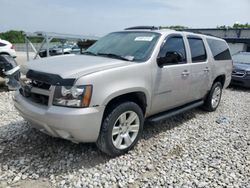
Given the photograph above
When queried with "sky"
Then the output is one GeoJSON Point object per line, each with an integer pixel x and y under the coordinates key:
{"type": "Point", "coordinates": [99, 17]}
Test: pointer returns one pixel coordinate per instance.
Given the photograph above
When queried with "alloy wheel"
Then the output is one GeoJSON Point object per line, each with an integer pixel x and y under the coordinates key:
{"type": "Point", "coordinates": [125, 130]}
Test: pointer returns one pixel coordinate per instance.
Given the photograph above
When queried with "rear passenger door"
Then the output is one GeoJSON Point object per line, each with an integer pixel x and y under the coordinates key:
{"type": "Point", "coordinates": [200, 67]}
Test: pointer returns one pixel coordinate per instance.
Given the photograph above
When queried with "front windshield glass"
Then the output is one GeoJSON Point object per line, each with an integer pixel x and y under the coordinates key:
{"type": "Point", "coordinates": [242, 58]}
{"type": "Point", "coordinates": [132, 46]}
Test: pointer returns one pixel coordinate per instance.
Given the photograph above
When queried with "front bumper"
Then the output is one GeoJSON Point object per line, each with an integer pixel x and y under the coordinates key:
{"type": "Point", "coordinates": [75, 124]}
{"type": "Point", "coordinates": [241, 81]}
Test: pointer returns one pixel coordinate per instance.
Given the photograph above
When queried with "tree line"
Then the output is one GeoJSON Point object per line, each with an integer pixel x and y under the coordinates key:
{"type": "Point", "coordinates": [235, 26]}
{"type": "Point", "coordinates": [14, 36]}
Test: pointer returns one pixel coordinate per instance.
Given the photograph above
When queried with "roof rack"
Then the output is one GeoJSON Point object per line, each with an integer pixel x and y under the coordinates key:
{"type": "Point", "coordinates": [143, 27]}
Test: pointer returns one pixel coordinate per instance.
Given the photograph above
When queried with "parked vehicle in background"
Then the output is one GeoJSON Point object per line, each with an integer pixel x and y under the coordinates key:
{"type": "Point", "coordinates": [9, 70]}
{"type": "Point", "coordinates": [241, 69]}
{"type": "Point", "coordinates": [65, 49]}
{"type": "Point", "coordinates": [7, 48]}
{"type": "Point", "coordinates": [105, 94]}
{"type": "Point", "coordinates": [60, 50]}
{"type": "Point", "coordinates": [75, 49]}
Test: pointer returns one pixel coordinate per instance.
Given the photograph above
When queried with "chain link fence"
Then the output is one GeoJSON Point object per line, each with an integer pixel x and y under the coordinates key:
{"type": "Point", "coordinates": [21, 47]}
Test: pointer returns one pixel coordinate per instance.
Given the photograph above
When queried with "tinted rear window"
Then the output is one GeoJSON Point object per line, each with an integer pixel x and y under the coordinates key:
{"type": "Point", "coordinates": [197, 48]}
{"type": "Point", "coordinates": [2, 44]}
{"type": "Point", "coordinates": [219, 49]}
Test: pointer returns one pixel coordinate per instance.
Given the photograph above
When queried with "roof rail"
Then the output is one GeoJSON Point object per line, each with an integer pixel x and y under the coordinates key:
{"type": "Point", "coordinates": [143, 27]}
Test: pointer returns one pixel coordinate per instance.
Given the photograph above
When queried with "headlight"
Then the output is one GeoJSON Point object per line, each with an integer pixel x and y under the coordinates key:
{"type": "Point", "coordinates": [72, 96]}
{"type": "Point", "coordinates": [248, 72]}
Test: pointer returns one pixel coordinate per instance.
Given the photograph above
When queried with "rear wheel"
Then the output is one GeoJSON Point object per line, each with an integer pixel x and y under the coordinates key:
{"type": "Point", "coordinates": [213, 99]}
{"type": "Point", "coordinates": [121, 129]}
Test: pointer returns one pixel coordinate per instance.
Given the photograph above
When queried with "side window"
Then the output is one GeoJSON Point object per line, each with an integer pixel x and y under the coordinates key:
{"type": "Point", "coordinates": [219, 49]}
{"type": "Point", "coordinates": [173, 51]}
{"type": "Point", "coordinates": [197, 48]}
{"type": "Point", "coordinates": [2, 44]}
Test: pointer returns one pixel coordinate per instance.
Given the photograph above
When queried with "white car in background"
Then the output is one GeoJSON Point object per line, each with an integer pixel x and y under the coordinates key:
{"type": "Point", "coordinates": [7, 48]}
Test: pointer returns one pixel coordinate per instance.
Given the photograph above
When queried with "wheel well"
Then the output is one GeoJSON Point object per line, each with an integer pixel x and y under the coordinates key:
{"type": "Point", "coordinates": [137, 97]}
{"type": "Point", "coordinates": [4, 53]}
{"type": "Point", "coordinates": [220, 79]}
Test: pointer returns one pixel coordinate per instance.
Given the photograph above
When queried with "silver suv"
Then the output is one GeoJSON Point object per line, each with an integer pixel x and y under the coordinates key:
{"type": "Point", "coordinates": [105, 94]}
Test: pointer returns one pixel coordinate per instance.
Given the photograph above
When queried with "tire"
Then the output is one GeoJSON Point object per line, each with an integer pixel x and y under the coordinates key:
{"type": "Point", "coordinates": [117, 134]}
{"type": "Point", "coordinates": [213, 98]}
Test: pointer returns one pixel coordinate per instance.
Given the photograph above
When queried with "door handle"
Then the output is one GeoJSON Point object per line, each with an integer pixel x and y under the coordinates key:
{"type": "Point", "coordinates": [185, 73]}
{"type": "Point", "coordinates": [206, 69]}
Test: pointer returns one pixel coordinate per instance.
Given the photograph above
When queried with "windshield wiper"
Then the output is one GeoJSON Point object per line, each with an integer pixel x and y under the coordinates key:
{"type": "Point", "coordinates": [115, 56]}
{"type": "Point", "coordinates": [89, 53]}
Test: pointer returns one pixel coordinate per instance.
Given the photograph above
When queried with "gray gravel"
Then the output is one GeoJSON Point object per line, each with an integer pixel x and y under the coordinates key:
{"type": "Point", "coordinates": [195, 149]}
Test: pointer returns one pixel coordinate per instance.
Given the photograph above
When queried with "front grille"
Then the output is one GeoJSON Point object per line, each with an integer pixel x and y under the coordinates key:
{"type": "Point", "coordinates": [34, 97]}
{"type": "Point", "coordinates": [40, 99]}
{"type": "Point", "coordinates": [36, 91]}
{"type": "Point", "coordinates": [238, 72]}
{"type": "Point", "coordinates": [41, 85]}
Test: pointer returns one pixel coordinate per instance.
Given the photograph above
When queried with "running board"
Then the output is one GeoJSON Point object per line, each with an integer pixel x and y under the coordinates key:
{"type": "Point", "coordinates": [164, 115]}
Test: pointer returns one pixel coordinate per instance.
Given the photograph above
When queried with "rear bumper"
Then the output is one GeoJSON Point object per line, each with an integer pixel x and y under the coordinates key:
{"type": "Point", "coordinates": [241, 81]}
{"type": "Point", "coordinates": [75, 124]}
{"type": "Point", "coordinates": [12, 53]}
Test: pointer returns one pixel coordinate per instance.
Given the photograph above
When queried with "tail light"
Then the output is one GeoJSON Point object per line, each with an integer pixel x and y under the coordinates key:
{"type": "Point", "coordinates": [13, 46]}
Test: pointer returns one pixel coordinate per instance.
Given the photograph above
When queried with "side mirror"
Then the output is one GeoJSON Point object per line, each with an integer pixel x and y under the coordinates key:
{"type": "Point", "coordinates": [170, 58]}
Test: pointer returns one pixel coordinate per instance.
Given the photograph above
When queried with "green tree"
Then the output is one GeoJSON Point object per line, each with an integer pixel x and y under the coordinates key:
{"type": "Point", "coordinates": [241, 26]}
{"type": "Point", "coordinates": [235, 26]}
{"type": "Point", "coordinates": [13, 36]}
{"type": "Point", "coordinates": [18, 37]}
{"type": "Point", "coordinates": [176, 27]}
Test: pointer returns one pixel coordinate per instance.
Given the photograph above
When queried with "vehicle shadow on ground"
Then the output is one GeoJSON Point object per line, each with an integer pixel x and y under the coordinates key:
{"type": "Point", "coordinates": [31, 151]}
{"type": "Point", "coordinates": [153, 129]}
{"type": "Point", "coordinates": [3, 88]}
{"type": "Point", "coordinates": [238, 88]}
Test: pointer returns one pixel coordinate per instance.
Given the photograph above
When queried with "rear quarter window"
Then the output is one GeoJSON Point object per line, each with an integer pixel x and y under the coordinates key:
{"type": "Point", "coordinates": [219, 49]}
{"type": "Point", "coordinates": [2, 44]}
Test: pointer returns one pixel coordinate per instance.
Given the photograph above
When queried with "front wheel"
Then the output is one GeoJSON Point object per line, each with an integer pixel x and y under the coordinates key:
{"type": "Point", "coordinates": [121, 129]}
{"type": "Point", "coordinates": [214, 96]}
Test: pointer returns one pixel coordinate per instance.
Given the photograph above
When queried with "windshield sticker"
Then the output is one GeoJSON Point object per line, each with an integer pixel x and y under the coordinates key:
{"type": "Point", "coordinates": [144, 38]}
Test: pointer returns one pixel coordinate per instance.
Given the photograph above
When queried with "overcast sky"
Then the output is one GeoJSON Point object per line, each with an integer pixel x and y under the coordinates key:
{"type": "Point", "coordinates": [98, 17]}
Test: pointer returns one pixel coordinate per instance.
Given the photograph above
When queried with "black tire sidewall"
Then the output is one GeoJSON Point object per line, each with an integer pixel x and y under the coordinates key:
{"type": "Point", "coordinates": [208, 103]}
{"type": "Point", "coordinates": [108, 124]}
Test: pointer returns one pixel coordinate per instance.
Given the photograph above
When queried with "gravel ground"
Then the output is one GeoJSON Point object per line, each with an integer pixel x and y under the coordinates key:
{"type": "Point", "coordinates": [189, 150]}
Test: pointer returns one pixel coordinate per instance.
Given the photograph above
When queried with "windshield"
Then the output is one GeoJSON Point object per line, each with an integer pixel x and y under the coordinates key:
{"type": "Point", "coordinates": [133, 46]}
{"type": "Point", "coordinates": [242, 58]}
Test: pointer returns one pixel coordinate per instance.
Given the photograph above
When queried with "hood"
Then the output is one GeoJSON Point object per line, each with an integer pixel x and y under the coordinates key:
{"type": "Point", "coordinates": [241, 66]}
{"type": "Point", "coordinates": [74, 66]}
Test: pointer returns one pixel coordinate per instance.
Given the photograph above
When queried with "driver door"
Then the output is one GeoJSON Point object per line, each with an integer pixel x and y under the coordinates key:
{"type": "Point", "coordinates": [172, 80]}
